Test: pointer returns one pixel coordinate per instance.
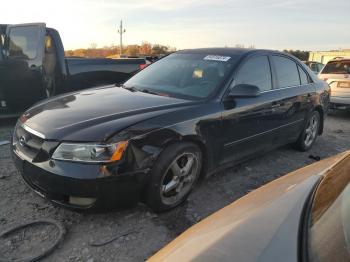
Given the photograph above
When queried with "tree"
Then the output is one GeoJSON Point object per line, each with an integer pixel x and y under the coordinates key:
{"type": "Point", "coordinates": [302, 55]}
{"type": "Point", "coordinates": [145, 48]}
{"type": "Point", "coordinates": [132, 50]}
{"type": "Point", "coordinates": [159, 49]}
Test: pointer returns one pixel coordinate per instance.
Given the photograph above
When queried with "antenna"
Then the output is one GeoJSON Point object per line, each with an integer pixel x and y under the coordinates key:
{"type": "Point", "coordinates": [121, 31]}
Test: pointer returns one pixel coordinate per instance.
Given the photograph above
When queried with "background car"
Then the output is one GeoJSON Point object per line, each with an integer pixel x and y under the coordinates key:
{"type": "Point", "coordinates": [173, 123]}
{"type": "Point", "coordinates": [303, 216]}
{"type": "Point", "coordinates": [337, 74]}
{"type": "Point", "coordinates": [315, 67]}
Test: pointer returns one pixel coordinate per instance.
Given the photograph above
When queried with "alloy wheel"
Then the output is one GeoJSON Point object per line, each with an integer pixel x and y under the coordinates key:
{"type": "Point", "coordinates": [179, 178]}
{"type": "Point", "coordinates": [311, 130]}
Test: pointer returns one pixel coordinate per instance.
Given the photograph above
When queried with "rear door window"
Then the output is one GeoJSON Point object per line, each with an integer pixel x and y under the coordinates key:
{"type": "Point", "coordinates": [23, 42]}
{"type": "Point", "coordinates": [256, 71]}
{"type": "Point", "coordinates": [286, 72]}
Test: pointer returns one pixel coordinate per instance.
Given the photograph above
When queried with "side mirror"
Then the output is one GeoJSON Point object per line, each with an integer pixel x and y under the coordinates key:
{"type": "Point", "coordinates": [244, 90]}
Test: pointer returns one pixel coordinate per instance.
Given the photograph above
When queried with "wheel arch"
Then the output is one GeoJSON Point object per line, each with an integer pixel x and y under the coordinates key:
{"type": "Point", "coordinates": [197, 140]}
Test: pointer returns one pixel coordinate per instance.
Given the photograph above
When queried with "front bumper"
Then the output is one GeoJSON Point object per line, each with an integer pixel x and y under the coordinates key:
{"type": "Point", "coordinates": [59, 181]}
{"type": "Point", "coordinates": [340, 102]}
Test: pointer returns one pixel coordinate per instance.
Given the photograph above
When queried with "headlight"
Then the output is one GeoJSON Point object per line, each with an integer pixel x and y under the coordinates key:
{"type": "Point", "coordinates": [90, 152]}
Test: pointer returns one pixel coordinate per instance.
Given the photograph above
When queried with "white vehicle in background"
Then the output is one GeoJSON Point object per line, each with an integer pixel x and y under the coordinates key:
{"type": "Point", "coordinates": [337, 74]}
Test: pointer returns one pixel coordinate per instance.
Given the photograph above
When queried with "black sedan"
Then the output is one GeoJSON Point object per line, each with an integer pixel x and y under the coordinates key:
{"type": "Point", "coordinates": [175, 122]}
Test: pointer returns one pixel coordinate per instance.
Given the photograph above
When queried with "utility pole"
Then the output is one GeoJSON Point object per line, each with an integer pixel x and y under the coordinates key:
{"type": "Point", "coordinates": [121, 31]}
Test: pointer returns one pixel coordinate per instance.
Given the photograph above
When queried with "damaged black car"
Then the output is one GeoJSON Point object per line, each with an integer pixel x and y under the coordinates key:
{"type": "Point", "coordinates": [175, 122]}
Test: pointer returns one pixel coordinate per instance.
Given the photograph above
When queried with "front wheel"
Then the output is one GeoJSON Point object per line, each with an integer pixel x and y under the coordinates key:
{"type": "Point", "coordinates": [310, 132]}
{"type": "Point", "coordinates": [173, 176]}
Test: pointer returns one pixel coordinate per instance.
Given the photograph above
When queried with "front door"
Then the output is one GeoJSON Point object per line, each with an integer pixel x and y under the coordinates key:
{"type": "Point", "coordinates": [248, 123]}
{"type": "Point", "coordinates": [21, 79]}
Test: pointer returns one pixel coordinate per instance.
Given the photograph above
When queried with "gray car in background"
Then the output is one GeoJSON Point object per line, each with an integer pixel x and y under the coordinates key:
{"type": "Point", "coordinates": [337, 74]}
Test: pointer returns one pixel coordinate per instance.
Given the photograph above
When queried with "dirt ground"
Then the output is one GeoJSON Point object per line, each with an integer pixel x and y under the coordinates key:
{"type": "Point", "coordinates": [148, 232]}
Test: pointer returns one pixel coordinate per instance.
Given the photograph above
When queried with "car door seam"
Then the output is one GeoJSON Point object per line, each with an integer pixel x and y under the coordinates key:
{"type": "Point", "coordinates": [262, 133]}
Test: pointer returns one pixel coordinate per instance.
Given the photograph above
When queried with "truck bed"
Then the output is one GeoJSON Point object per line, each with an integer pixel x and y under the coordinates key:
{"type": "Point", "coordinates": [90, 72]}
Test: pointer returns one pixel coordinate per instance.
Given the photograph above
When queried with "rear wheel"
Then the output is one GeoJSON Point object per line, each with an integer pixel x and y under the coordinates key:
{"type": "Point", "coordinates": [310, 132]}
{"type": "Point", "coordinates": [173, 176]}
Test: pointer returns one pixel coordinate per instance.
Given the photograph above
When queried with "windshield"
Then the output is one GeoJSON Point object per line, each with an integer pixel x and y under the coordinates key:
{"type": "Point", "coordinates": [329, 225]}
{"type": "Point", "coordinates": [337, 67]}
{"type": "Point", "coordinates": [191, 76]}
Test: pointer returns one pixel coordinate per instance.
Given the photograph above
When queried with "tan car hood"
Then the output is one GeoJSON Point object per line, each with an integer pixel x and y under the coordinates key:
{"type": "Point", "coordinates": [261, 226]}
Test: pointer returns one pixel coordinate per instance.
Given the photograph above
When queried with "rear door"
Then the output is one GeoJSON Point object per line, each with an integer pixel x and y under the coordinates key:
{"type": "Point", "coordinates": [296, 91]}
{"type": "Point", "coordinates": [21, 69]}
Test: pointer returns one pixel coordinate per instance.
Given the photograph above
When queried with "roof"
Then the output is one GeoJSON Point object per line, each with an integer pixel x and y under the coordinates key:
{"type": "Point", "coordinates": [339, 58]}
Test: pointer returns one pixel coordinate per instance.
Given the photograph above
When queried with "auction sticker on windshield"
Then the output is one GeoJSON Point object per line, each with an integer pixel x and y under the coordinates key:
{"type": "Point", "coordinates": [217, 58]}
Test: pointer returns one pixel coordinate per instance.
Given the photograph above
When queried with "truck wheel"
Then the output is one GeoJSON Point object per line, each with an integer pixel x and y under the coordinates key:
{"type": "Point", "coordinates": [310, 132]}
{"type": "Point", "coordinates": [173, 176]}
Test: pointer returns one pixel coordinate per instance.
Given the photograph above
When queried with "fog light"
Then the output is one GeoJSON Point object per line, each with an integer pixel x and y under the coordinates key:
{"type": "Point", "coordinates": [81, 201]}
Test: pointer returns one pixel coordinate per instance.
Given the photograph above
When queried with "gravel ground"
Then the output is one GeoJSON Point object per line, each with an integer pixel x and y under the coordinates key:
{"type": "Point", "coordinates": [145, 232]}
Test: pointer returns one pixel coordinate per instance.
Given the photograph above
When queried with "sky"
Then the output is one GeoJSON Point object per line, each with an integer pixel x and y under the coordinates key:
{"type": "Point", "coordinates": [271, 24]}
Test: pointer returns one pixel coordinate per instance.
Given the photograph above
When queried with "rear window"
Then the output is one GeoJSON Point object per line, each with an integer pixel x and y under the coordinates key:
{"type": "Point", "coordinates": [337, 67]}
{"type": "Point", "coordinates": [329, 220]}
{"type": "Point", "coordinates": [23, 42]}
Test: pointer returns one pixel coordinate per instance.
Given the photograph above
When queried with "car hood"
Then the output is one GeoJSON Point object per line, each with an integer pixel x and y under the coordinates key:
{"type": "Point", "coordinates": [262, 226]}
{"type": "Point", "coordinates": [96, 114]}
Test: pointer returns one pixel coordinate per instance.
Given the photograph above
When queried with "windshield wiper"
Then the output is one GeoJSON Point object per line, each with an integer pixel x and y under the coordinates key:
{"type": "Point", "coordinates": [144, 90]}
{"type": "Point", "coordinates": [130, 88]}
{"type": "Point", "coordinates": [147, 91]}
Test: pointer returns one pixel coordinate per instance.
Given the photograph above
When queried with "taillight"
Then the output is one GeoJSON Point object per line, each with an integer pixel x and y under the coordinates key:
{"type": "Point", "coordinates": [142, 66]}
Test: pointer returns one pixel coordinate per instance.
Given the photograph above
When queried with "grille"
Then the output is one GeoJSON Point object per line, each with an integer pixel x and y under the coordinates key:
{"type": "Point", "coordinates": [26, 142]}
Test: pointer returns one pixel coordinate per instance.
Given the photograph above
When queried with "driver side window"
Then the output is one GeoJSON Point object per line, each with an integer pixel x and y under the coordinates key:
{"type": "Point", "coordinates": [256, 71]}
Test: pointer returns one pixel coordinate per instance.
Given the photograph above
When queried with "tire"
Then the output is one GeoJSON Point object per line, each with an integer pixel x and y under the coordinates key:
{"type": "Point", "coordinates": [309, 135]}
{"type": "Point", "coordinates": [173, 176]}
